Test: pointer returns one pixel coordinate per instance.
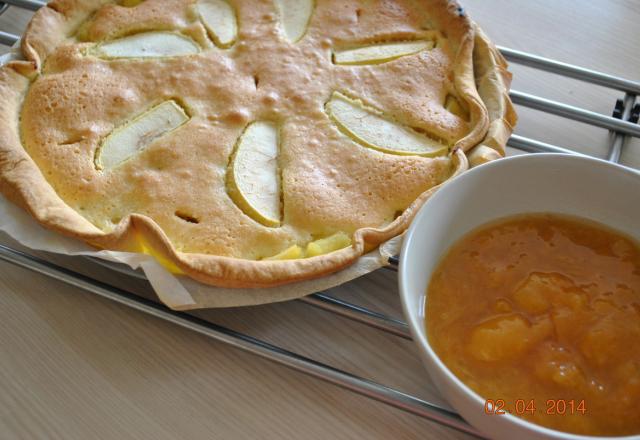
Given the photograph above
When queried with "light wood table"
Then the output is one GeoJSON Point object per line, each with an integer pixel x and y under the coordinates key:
{"type": "Point", "coordinates": [75, 366]}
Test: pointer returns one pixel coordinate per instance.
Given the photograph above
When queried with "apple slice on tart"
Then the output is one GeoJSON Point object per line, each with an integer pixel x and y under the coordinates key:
{"type": "Point", "coordinates": [294, 17]}
{"type": "Point", "coordinates": [154, 44]}
{"type": "Point", "coordinates": [127, 140]}
{"type": "Point", "coordinates": [219, 18]}
{"type": "Point", "coordinates": [369, 127]}
{"type": "Point", "coordinates": [380, 53]}
{"type": "Point", "coordinates": [253, 178]}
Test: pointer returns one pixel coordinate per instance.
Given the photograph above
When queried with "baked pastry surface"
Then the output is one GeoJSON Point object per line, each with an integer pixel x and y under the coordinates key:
{"type": "Point", "coordinates": [182, 194]}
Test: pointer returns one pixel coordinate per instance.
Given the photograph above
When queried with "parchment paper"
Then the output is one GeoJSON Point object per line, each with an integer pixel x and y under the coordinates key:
{"type": "Point", "coordinates": [178, 292]}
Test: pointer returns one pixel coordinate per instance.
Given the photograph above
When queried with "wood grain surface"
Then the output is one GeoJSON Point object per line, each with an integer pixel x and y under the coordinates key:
{"type": "Point", "coordinates": [74, 366]}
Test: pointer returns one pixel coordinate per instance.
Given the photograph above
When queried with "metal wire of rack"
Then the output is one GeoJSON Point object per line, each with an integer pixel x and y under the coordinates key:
{"type": "Point", "coordinates": [623, 124]}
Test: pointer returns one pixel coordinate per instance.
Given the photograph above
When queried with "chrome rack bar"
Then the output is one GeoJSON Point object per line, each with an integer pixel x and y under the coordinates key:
{"type": "Point", "coordinates": [360, 314]}
{"type": "Point", "coordinates": [31, 5]}
{"type": "Point", "coordinates": [575, 113]}
{"type": "Point", "coordinates": [576, 72]}
{"type": "Point", "coordinates": [246, 343]}
{"type": "Point", "coordinates": [6, 38]}
{"type": "Point", "coordinates": [534, 146]}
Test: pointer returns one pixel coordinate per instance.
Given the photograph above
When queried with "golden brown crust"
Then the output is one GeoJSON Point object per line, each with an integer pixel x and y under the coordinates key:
{"type": "Point", "coordinates": [52, 24]}
{"type": "Point", "coordinates": [20, 178]}
{"type": "Point", "coordinates": [475, 60]}
{"type": "Point", "coordinates": [464, 79]}
{"type": "Point", "coordinates": [493, 82]}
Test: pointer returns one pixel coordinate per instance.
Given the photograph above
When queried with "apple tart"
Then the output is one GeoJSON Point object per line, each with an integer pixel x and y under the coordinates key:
{"type": "Point", "coordinates": [246, 143]}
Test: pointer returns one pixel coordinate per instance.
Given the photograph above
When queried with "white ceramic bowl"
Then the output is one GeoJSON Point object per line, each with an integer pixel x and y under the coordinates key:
{"type": "Point", "coordinates": [554, 183]}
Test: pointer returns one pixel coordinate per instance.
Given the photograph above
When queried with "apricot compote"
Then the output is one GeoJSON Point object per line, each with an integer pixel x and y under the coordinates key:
{"type": "Point", "coordinates": [542, 312]}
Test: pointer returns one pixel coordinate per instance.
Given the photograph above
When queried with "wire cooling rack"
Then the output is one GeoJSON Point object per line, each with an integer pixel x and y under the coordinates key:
{"type": "Point", "coordinates": [623, 123]}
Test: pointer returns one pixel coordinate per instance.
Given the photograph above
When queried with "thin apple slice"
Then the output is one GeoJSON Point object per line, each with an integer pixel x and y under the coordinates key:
{"type": "Point", "coordinates": [129, 139]}
{"type": "Point", "coordinates": [153, 44]}
{"type": "Point", "coordinates": [380, 53]}
{"type": "Point", "coordinates": [253, 179]}
{"type": "Point", "coordinates": [220, 20]}
{"type": "Point", "coordinates": [295, 16]}
{"type": "Point", "coordinates": [292, 253]}
{"type": "Point", "coordinates": [335, 242]}
{"type": "Point", "coordinates": [368, 127]}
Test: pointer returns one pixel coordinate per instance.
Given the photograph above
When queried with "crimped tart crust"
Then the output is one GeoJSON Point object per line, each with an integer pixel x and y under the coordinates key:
{"type": "Point", "coordinates": [172, 197]}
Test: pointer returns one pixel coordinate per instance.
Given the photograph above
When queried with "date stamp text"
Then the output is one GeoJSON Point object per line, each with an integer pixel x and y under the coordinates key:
{"type": "Point", "coordinates": [520, 407]}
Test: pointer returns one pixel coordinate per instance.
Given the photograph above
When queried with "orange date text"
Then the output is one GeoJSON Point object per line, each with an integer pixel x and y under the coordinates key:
{"type": "Point", "coordinates": [520, 407]}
